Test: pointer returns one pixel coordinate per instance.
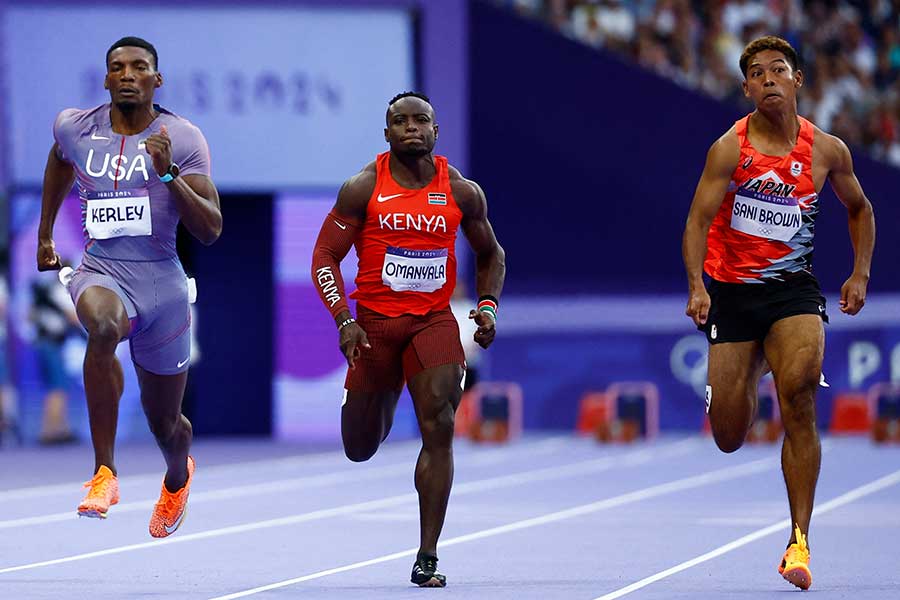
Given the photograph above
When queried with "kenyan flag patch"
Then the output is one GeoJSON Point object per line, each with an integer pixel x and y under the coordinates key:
{"type": "Point", "coordinates": [434, 198]}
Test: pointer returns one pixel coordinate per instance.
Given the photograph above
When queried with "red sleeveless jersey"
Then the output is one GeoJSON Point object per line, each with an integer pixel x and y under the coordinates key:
{"type": "Point", "coordinates": [764, 228]}
{"type": "Point", "coordinates": [407, 262]}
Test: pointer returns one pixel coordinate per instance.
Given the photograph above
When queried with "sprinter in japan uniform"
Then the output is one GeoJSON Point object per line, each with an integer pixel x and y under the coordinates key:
{"type": "Point", "coordinates": [758, 200]}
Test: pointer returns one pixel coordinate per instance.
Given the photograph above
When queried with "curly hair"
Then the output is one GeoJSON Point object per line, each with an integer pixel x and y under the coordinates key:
{"type": "Point", "coordinates": [769, 42]}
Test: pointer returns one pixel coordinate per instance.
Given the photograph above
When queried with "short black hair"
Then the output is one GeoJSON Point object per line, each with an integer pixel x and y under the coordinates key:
{"type": "Point", "coordinates": [403, 95]}
{"type": "Point", "coordinates": [138, 43]}
{"type": "Point", "coordinates": [768, 42]}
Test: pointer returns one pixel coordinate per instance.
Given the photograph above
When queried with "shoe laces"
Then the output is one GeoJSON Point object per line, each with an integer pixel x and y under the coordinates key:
{"type": "Point", "coordinates": [799, 550]}
{"type": "Point", "coordinates": [99, 485]}
{"type": "Point", "coordinates": [428, 564]}
{"type": "Point", "coordinates": [168, 502]}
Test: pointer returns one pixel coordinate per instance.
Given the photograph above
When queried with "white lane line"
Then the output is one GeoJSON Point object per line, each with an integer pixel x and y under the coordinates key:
{"type": "Point", "coordinates": [480, 456]}
{"type": "Point", "coordinates": [318, 459]}
{"type": "Point", "coordinates": [717, 476]}
{"type": "Point", "coordinates": [232, 493]}
{"type": "Point", "coordinates": [842, 500]}
{"type": "Point", "coordinates": [631, 459]}
{"type": "Point", "coordinates": [490, 456]}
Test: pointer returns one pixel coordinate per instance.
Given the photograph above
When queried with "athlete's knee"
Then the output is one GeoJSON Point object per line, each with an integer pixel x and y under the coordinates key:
{"type": "Point", "coordinates": [103, 332]}
{"type": "Point", "coordinates": [798, 412]}
{"type": "Point", "coordinates": [729, 441]}
{"type": "Point", "coordinates": [187, 429]}
{"type": "Point", "coordinates": [360, 452]}
{"type": "Point", "coordinates": [798, 401]}
{"type": "Point", "coordinates": [165, 427]}
{"type": "Point", "coordinates": [730, 418]}
{"type": "Point", "coordinates": [437, 429]}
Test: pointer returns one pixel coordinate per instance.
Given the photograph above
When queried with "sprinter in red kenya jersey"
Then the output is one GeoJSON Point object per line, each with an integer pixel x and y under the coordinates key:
{"type": "Point", "coordinates": [402, 212]}
{"type": "Point", "coordinates": [758, 200]}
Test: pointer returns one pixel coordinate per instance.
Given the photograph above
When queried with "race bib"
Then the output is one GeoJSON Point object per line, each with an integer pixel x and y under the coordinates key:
{"type": "Point", "coordinates": [119, 213]}
{"type": "Point", "coordinates": [414, 270]}
{"type": "Point", "coordinates": [761, 215]}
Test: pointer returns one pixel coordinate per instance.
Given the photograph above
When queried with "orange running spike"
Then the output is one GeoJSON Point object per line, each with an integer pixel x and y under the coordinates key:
{"type": "Point", "coordinates": [171, 508]}
{"type": "Point", "coordinates": [103, 493]}
{"type": "Point", "coordinates": [795, 564]}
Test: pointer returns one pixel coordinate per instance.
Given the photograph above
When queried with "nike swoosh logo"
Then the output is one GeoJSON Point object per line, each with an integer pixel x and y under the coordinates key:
{"type": "Point", "coordinates": [386, 198]}
{"type": "Point", "coordinates": [95, 137]}
{"type": "Point", "coordinates": [339, 225]}
{"type": "Point", "coordinates": [182, 363]}
{"type": "Point", "coordinates": [171, 530]}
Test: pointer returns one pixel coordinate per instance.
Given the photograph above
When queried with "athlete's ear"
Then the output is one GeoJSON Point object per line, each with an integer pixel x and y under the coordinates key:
{"type": "Point", "coordinates": [159, 80]}
{"type": "Point", "coordinates": [798, 78]}
{"type": "Point", "coordinates": [745, 88]}
{"type": "Point", "coordinates": [436, 128]}
{"type": "Point", "coordinates": [386, 135]}
{"type": "Point", "coordinates": [106, 81]}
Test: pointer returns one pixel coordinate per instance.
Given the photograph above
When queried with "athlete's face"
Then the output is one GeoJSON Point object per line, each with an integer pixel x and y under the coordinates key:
{"type": "Point", "coordinates": [411, 129]}
{"type": "Point", "coordinates": [770, 81]}
{"type": "Point", "coordinates": [131, 77]}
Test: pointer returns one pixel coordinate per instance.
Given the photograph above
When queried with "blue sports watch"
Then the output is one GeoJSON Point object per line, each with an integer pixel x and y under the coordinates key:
{"type": "Point", "coordinates": [171, 173]}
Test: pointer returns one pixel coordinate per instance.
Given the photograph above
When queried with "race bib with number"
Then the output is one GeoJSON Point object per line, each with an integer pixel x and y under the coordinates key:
{"type": "Point", "coordinates": [761, 215]}
{"type": "Point", "coordinates": [414, 270]}
{"type": "Point", "coordinates": [118, 213]}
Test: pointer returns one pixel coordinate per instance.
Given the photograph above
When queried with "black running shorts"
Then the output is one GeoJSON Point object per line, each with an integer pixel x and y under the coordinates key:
{"type": "Point", "coordinates": [743, 312]}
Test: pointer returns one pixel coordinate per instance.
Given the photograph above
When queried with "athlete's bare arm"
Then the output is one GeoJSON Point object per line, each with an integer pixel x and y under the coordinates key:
{"type": "Point", "coordinates": [196, 196]}
{"type": "Point", "coordinates": [59, 176]}
{"type": "Point", "coordinates": [860, 217]}
{"type": "Point", "coordinates": [353, 198]}
{"type": "Point", "coordinates": [338, 234]}
{"type": "Point", "coordinates": [721, 160]}
{"type": "Point", "coordinates": [490, 260]}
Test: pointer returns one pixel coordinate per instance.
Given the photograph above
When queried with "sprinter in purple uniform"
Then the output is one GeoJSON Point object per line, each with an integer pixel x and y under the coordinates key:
{"type": "Point", "coordinates": [139, 169]}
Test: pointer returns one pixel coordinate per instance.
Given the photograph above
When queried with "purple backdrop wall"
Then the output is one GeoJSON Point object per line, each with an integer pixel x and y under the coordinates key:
{"type": "Point", "coordinates": [599, 162]}
{"type": "Point", "coordinates": [443, 72]}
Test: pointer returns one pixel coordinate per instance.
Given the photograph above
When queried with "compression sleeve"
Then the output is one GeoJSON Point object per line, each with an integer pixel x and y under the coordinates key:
{"type": "Point", "coordinates": [334, 242]}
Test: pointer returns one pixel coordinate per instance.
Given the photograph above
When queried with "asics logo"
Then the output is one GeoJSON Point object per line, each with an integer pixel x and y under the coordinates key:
{"type": "Point", "coordinates": [183, 362]}
{"type": "Point", "coordinates": [386, 198]}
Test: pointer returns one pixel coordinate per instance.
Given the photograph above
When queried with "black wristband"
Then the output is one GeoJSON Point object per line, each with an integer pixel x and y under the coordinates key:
{"type": "Point", "coordinates": [489, 297]}
{"type": "Point", "coordinates": [346, 322]}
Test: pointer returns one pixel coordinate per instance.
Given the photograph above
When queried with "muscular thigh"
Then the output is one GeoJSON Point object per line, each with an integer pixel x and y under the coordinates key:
{"type": "Point", "coordinates": [436, 392]}
{"type": "Point", "coordinates": [734, 372]}
{"type": "Point", "coordinates": [95, 304]}
{"type": "Point", "coordinates": [359, 408]}
{"type": "Point", "coordinates": [98, 296]}
{"type": "Point", "coordinates": [794, 348]}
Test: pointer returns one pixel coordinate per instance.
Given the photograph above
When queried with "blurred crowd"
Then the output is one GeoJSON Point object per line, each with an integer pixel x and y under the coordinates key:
{"type": "Point", "coordinates": [849, 51]}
